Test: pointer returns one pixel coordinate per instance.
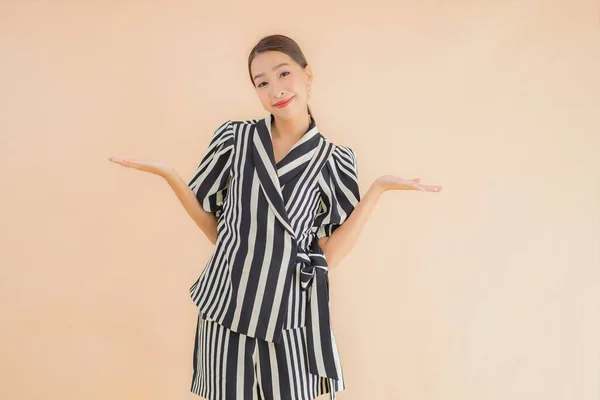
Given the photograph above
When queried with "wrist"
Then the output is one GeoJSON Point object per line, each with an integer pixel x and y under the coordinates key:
{"type": "Point", "coordinates": [377, 188]}
{"type": "Point", "coordinates": [167, 173]}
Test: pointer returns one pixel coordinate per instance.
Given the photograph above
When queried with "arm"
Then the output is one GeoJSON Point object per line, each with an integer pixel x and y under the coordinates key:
{"type": "Point", "coordinates": [204, 219]}
{"type": "Point", "coordinates": [202, 196]}
{"type": "Point", "coordinates": [341, 241]}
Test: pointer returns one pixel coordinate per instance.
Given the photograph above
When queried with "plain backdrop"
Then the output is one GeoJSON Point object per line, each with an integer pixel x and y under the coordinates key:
{"type": "Point", "coordinates": [489, 290]}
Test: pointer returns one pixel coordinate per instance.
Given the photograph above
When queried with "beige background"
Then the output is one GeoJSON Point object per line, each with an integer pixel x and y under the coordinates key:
{"type": "Point", "coordinates": [488, 290]}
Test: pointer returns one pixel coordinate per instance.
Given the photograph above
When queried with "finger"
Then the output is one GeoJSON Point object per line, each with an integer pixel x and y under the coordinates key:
{"type": "Point", "coordinates": [132, 163]}
{"type": "Point", "coordinates": [118, 160]}
{"type": "Point", "coordinates": [123, 162]}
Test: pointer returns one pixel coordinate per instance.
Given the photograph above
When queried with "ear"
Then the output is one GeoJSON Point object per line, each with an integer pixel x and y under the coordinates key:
{"type": "Point", "coordinates": [309, 72]}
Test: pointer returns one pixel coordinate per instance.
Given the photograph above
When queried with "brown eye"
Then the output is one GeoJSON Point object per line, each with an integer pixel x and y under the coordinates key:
{"type": "Point", "coordinates": [284, 72]}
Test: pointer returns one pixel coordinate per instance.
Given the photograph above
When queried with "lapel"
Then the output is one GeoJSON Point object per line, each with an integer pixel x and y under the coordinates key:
{"type": "Point", "coordinates": [266, 169]}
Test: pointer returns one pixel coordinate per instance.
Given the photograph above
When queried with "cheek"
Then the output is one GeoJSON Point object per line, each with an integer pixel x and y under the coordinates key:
{"type": "Point", "coordinates": [263, 96]}
{"type": "Point", "coordinates": [299, 87]}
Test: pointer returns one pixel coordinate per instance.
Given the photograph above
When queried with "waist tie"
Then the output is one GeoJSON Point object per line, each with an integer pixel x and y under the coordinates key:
{"type": "Point", "coordinates": [323, 356]}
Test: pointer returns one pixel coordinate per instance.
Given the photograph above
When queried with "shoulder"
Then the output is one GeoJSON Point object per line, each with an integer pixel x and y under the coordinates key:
{"type": "Point", "coordinates": [244, 122]}
{"type": "Point", "coordinates": [223, 135]}
{"type": "Point", "coordinates": [233, 124]}
{"type": "Point", "coordinates": [341, 175]}
{"type": "Point", "coordinates": [239, 125]}
{"type": "Point", "coordinates": [341, 153]}
{"type": "Point", "coordinates": [343, 158]}
{"type": "Point", "coordinates": [227, 132]}
{"type": "Point", "coordinates": [224, 128]}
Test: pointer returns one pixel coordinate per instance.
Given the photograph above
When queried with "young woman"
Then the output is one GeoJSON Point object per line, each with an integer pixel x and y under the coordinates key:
{"type": "Point", "coordinates": [282, 205]}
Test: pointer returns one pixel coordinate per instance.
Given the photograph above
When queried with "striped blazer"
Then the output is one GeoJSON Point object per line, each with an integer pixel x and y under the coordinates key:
{"type": "Point", "coordinates": [267, 272]}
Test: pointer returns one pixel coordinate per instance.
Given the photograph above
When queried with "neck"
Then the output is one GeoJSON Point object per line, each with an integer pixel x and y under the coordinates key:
{"type": "Point", "coordinates": [290, 128]}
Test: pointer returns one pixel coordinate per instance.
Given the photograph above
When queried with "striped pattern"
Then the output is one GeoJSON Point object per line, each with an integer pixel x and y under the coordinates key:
{"type": "Point", "coordinates": [267, 273]}
{"type": "Point", "coordinates": [231, 366]}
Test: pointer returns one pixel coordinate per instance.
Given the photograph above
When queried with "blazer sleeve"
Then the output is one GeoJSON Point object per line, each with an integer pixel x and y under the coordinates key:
{"type": "Point", "coordinates": [210, 181]}
{"type": "Point", "coordinates": [339, 191]}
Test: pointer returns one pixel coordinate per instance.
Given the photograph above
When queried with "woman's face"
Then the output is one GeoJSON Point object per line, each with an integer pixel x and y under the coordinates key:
{"type": "Point", "coordinates": [281, 78]}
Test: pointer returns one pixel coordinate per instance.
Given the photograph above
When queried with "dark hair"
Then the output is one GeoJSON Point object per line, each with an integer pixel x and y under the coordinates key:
{"type": "Point", "coordinates": [282, 44]}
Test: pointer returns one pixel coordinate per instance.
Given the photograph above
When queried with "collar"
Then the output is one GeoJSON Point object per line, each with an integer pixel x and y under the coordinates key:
{"type": "Point", "coordinates": [310, 151]}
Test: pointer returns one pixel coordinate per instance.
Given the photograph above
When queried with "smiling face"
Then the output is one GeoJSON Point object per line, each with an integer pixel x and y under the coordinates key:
{"type": "Point", "coordinates": [277, 77]}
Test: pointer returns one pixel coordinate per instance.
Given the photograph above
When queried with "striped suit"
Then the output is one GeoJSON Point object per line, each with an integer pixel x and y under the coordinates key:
{"type": "Point", "coordinates": [266, 282]}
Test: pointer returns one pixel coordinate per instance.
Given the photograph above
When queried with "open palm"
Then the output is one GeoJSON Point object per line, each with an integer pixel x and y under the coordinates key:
{"type": "Point", "coordinates": [392, 182]}
{"type": "Point", "coordinates": [154, 167]}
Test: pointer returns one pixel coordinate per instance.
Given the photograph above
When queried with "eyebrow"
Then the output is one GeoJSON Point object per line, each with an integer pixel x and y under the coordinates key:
{"type": "Point", "coordinates": [274, 68]}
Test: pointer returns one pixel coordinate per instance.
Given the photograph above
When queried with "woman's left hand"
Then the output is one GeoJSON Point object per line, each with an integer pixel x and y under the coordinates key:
{"type": "Point", "coordinates": [392, 182]}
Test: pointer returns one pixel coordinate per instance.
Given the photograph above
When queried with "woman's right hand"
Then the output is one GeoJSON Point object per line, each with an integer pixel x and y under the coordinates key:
{"type": "Point", "coordinates": [154, 167]}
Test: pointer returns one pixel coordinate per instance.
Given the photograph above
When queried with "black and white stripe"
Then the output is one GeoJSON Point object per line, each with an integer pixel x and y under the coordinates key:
{"type": "Point", "coordinates": [231, 366]}
{"type": "Point", "coordinates": [267, 273]}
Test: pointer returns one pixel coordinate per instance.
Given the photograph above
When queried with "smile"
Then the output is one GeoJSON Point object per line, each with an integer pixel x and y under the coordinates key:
{"type": "Point", "coordinates": [285, 103]}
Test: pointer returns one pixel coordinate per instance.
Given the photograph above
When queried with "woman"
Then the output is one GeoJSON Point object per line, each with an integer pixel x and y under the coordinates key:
{"type": "Point", "coordinates": [282, 205]}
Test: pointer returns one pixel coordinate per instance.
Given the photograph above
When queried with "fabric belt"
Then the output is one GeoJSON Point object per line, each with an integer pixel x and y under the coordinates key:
{"type": "Point", "coordinates": [323, 357]}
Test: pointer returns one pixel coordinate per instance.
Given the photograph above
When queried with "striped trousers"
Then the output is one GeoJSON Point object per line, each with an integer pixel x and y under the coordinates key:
{"type": "Point", "coordinates": [232, 366]}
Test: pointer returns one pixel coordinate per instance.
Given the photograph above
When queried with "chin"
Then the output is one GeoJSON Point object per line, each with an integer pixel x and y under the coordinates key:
{"type": "Point", "coordinates": [286, 113]}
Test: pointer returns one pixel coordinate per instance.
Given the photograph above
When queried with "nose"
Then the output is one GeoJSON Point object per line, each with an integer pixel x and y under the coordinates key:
{"type": "Point", "coordinates": [277, 93]}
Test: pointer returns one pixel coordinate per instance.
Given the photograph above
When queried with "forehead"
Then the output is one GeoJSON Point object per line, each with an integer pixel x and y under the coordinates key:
{"type": "Point", "coordinates": [264, 62]}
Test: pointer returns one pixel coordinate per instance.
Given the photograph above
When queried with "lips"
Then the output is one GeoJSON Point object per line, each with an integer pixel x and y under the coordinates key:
{"type": "Point", "coordinates": [284, 103]}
